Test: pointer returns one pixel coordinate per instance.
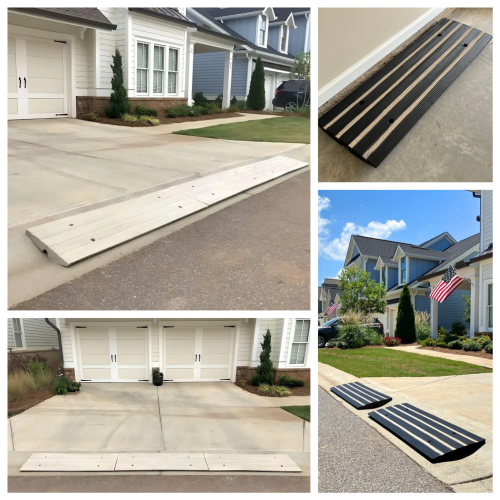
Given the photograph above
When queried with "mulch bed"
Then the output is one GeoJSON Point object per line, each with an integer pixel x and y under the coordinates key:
{"type": "Point", "coordinates": [164, 120]}
{"type": "Point", "coordinates": [480, 354]}
{"type": "Point", "coordinates": [273, 113]}
{"type": "Point", "coordinates": [296, 391]}
{"type": "Point", "coordinates": [28, 401]}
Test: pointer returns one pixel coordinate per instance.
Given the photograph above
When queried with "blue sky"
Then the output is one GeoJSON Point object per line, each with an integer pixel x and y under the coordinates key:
{"type": "Point", "coordinates": [407, 216]}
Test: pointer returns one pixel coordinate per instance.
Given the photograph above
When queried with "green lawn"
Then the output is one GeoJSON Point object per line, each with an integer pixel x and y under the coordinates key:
{"type": "Point", "coordinates": [393, 363]}
{"type": "Point", "coordinates": [280, 129]}
{"type": "Point", "coordinates": [303, 412]}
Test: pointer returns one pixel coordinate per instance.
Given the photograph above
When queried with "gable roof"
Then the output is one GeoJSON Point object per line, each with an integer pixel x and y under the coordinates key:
{"type": "Point", "coordinates": [375, 246]}
{"type": "Point", "coordinates": [167, 13]}
{"type": "Point", "coordinates": [418, 250]}
{"type": "Point", "coordinates": [446, 235]}
{"type": "Point", "coordinates": [87, 16]}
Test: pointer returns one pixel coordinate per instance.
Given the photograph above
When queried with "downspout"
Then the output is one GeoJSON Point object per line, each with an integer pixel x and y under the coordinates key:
{"type": "Point", "coordinates": [59, 339]}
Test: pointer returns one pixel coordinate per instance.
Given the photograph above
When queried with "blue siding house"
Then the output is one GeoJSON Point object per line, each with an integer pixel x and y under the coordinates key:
{"type": "Point", "coordinates": [274, 35]}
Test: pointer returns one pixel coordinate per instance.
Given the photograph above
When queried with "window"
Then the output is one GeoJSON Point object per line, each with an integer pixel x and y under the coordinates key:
{"type": "Point", "coordinates": [490, 305]}
{"type": "Point", "coordinates": [142, 68]}
{"type": "Point", "coordinates": [284, 35]}
{"type": "Point", "coordinates": [403, 270]}
{"type": "Point", "coordinates": [262, 30]}
{"type": "Point", "coordinates": [300, 340]}
{"type": "Point", "coordinates": [18, 333]}
{"type": "Point", "coordinates": [173, 70]}
{"type": "Point", "coordinates": [384, 276]}
{"type": "Point", "coordinates": [158, 69]}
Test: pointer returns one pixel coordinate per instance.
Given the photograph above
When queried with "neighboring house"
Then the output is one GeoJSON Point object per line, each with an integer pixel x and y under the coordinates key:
{"type": "Point", "coordinates": [328, 293]}
{"type": "Point", "coordinates": [275, 35]}
{"type": "Point", "coordinates": [420, 267]}
{"type": "Point", "coordinates": [185, 350]}
{"type": "Point", "coordinates": [59, 58]}
{"type": "Point", "coordinates": [31, 335]}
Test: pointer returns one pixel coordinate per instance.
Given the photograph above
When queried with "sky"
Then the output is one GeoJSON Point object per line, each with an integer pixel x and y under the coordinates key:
{"type": "Point", "coordinates": [406, 216]}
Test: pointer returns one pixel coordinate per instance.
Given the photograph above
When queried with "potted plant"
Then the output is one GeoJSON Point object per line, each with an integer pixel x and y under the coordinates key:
{"type": "Point", "coordinates": [74, 388]}
{"type": "Point", "coordinates": [158, 378]}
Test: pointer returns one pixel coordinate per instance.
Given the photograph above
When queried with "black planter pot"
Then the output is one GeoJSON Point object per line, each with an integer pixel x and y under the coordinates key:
{"type": "Point", "coordinates": [158, 380]}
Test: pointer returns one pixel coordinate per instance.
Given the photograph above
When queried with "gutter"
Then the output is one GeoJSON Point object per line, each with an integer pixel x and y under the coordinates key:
{"type": "Point", "coordinates": [58, 338]}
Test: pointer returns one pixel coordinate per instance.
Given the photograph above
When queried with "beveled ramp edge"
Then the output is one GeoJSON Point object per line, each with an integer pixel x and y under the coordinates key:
{"type": "Point", "coordinates": [87, 234]}
{"type": "Point", "coordinates": [110, 462]}
{"type": "Point", "coordinates": [360, 396]}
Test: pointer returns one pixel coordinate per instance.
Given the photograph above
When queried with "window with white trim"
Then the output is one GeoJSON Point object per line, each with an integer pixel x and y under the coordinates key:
{"type": "Point", "coordinates": [141, 85]}
{"type": "Point", "coordinates": [384, 276]}
{"type": "Point", "coordinates": [158, 68]}
{"type": "Point", "coordinates": [403, 269]}
{"type": "Point", "coordinates": [17, 327]}
{"type": "Point", "coordinates": [300, 342]}
{"type": "Point", "coordinates": [284, 36]}
{"type": "Point", "coordinates": [173, 70]}
{"type": "Point", "coordinates": [490, 305]}
{"type": "Point", "coordinates": [262, 30]}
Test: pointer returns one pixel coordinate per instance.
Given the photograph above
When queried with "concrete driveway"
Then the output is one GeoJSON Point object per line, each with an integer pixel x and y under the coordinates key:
{"type": "Point", "coordinates": [175, 417]}
{"type": "Point", "coordinates": [60, 165]}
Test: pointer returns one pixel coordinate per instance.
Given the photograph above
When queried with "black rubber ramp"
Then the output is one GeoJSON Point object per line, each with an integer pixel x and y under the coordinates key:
{"type": "Point", "coordinates": [360, 396]}
{"type": "Point", "coordinates": [434, 438]}
{"type": "Point", "coordinates": [373, 119]}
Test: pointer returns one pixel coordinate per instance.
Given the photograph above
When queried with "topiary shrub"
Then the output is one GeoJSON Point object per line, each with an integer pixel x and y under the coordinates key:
{"type": "Point", "coordinates": [458, 329]}
{"type": "Point", "coordinates": [405, 321]}
{"type": "Point", "coordinates": [441, 344]}
{"type": "Point", "coordinates": [199, 99]}
{"type": "Point", "coordinates": [472, 345]}
{"type": "Point", "coordinates": [456, 344]}
{"type": "Point", "coordinates": [142, 110]}
{"type": "Point", "coordinates": [287, 381]}
{"type": "Point", "coordinates": [118, 102]}
{"type": "Point", "coordinates": [256, 98]}
{"type": "Point", "coordinates": [233, 101]}
{"type": "Point", "coordinates": [489, 347]}
{"type": "Point", "coordinates": [264, 372]}
{"type": "Point", "coordinates": [428, 342]}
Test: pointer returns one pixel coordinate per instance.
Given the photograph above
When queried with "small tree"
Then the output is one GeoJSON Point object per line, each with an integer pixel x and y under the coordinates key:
{"type": "Point", "coordinates": [264, 372]}
{"type": "Point", "coordinates": [118, 102]}
{"type": "Point", "coordinates": [359, 292]}
{"type": "Point", "coordinates": [257, 95]}
{"type": "Point", "coordinates": [466, 299]}
{"type": "Point", "coordinates": [405, 321]}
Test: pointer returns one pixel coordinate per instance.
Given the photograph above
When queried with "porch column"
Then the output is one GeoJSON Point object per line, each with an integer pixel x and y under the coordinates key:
{"type": "Point", "coordinates": [228, 71]}
{"type": "Point", "coordinates": [188, 75]}
{"type": "Point", "coordinates": [434, 318]}
{"type": "Point", "coordinates": [474, 306]}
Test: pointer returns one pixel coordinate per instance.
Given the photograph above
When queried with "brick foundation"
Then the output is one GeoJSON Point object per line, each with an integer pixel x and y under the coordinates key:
{"type": "Point", "coordinates": [247, 372]}
{"type": "Point", "coordinates": [93, 104]}
{"type": "Point", "coordinates": [70, 374]}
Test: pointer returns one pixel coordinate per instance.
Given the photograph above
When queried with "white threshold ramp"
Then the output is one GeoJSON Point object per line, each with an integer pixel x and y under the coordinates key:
{"type": "Point", "coordinates": [161, 461]}
{"type": "Point", "coordinates": [251, 462]}
{"type": "Point", "coordinates": [70, 462]}
{"type": "Point", "coordinates": [78, 237]}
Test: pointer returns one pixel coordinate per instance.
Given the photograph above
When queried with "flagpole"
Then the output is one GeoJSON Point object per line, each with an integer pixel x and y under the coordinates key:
{"type": "Point", "coordinates": [456, 270]}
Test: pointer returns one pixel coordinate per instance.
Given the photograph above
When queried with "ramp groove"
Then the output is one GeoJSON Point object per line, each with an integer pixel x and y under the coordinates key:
{"type": "Point", "coordinates": [360, 396]}
{"type": "Point", "coordinates": [375, 117]}
{"type": "Point", "coordinates": [78, 237]}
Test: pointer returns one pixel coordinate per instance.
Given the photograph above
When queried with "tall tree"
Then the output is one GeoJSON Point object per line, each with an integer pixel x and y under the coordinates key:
{"type": "Point", "coordinates": [359, 292]}
{"type": "Point", "coordinates": [118, 102]}
{"type": "Point", "coordinates": [264, 372]}
{"type": "Point", "coordinates": [256, 98]}
{"type": "Point", "coordinates": [405, 320]}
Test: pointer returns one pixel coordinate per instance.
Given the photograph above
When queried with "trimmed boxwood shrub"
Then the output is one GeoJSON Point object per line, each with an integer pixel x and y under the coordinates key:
{"type": "Point", "coordinates": [199, 99]}
{"type": "Point", "coordinates": [472, 345]}
{"type": "Point", "coordinates": [458, 329]}
{"type": "Point", "coordinates": [489, 347]}
{"type": "Point", "coordinates": [428, 342]}
{"type": "Point", "coordinates": [441, 344]}
{"type": "Point", "coordinates": [201, 110]}
{"type": "Point", "coordinates": [179, 111]}
{"type": "Point", "coordinates": [142, 110]}
{"type": "Point", "coordinates": [287, 381]}
{"type": "Point", "coordinates": [456, 344]}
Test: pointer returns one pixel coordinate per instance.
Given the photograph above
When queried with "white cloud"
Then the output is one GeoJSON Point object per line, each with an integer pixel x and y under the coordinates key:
{"type": "Point", "coordinates": [323, 204]}
{"type": "Point", "coordinates": [337, 248]}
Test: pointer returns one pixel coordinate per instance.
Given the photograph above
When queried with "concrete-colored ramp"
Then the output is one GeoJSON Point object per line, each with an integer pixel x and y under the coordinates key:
{"type": "Point", "coordinates": [70, 462]}
{"type": "Point", "coordinates": [251, 463]}
{"type": "Point", "coordinates": [75, 238]}
{"type": "Point", "coordinates": [161, 461]}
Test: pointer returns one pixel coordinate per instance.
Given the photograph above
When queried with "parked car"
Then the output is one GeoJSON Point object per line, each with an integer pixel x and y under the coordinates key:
{"type": "Point", "coordinates": [330, 330]}
{"type": "Point", "coordinates": [291, 93]}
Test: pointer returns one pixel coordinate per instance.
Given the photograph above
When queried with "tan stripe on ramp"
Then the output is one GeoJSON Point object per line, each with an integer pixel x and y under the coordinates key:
{"type": "Point", "coordinates": [256, 463]}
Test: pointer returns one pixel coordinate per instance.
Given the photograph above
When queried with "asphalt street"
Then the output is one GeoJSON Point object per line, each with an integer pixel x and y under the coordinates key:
{"type": "Point", "coordinates": [354, 458]}
{"type": "Point", "coordinates": [252, 255]}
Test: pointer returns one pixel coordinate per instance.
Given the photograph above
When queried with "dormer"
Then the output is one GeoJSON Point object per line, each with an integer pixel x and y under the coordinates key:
{"type": "Point", "coordinates": [279, 33]}
{"type": "Point", "coordinates": [440, 242]}
{"type": "Point", "coordinates": [388, 271]}
{"type": "Point", "coordinates": [413, 262]}
{"type": "Point", "coordinates": [352, 253]}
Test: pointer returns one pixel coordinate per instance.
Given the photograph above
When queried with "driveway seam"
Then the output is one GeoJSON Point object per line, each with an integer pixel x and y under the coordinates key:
{"type": "Point", "coordinates": [159, 414]}
{"type": "Point", "coordinates": [473, 480]}
{"type": "Point", "coordinates": [12, 435]}
{"type": "Point", "coordinates": [422, 385]}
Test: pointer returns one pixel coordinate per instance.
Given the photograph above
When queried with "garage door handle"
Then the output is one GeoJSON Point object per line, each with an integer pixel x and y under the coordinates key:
{"type": "Point", "coordinates": [199, 357]}
{"type": "Point", "coordinates": [19, 82]}
{"type": "Point", "coordinates": [25, 82]}
{"type": "Point", "coordinates": [115, 358]}
{"type": "Point", "coordinates": [111, 358]}
{"type": "Point", "coordinates": [195, 357]}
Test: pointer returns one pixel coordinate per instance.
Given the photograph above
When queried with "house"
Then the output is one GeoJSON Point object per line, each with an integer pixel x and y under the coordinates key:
{"type": "Point", "coordinates": [59, 58]}
{"type": "Point", "coordinates": [327, 294]}
{"type": "Point", "coordinates": [275, 35]}
{"type": "Point", "coordinates": [30, 335]}
{"type": "Point", "coordinates": [421, 267]}
{"type": "Point", "coordinates": [184, 350]}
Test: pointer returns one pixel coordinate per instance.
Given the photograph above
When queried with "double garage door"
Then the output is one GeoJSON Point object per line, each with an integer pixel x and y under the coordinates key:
{"type": "Point", "coordinates": [37, 78]}
{"type": "Point", "coordinates": [190, 353]}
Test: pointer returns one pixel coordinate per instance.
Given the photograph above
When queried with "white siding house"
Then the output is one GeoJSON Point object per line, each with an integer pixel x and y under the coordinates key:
{"type": "Point", "coordinates": [31, 335]}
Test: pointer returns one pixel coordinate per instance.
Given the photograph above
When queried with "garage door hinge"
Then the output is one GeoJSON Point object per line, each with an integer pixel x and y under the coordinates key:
{"type": "Point", "coordinates": [142, 327]}
{"type": "Point", "coordinates": [62, 114]}
{"type": "Point", "coordinates": [230, 326]}
{"type": "Point", "coordinates": [225, 379]}
{"type": "Point", "coordinates": [59, 41]}
{"type": "Point", "coordinates": [80, 327]}
{"type": "Point", "coordinates": [167, 326]}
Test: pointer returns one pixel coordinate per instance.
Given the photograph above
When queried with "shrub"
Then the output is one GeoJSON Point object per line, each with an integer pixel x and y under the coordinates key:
{"type": "Point", "coordinates": [149, 119]}
{"type": "Point", "coordinates": [178, 111]}
{"type": "Point", "coordinates": [20, 362]}
{"type": "Point", "coordinates": [142, 110]}
{"type": "Point", "coordinates": [91, 117]}
{"type": "Point", "coordinates": [218, 100]}
{"type": "Point", "coordinates": [36, 366]}
{"type": "Point", "coordinates": [455, 344]}
{"type": "Point", "coordinates": [44, 378]}
{"type": "Point", "coordinates": [231, 109]}
{"type": "Point", "coordinates": [441, 344]}
{"type": "Point", "coordinates": [127, 117]}
{"type": "Point", "coordinates": [458, 329]}
{"type": "Point", "coordinates": [391, 341]}
{"type": "Point", "coordinates": [422, 325]}
{"type": "Point", "coordinates": [20, 383]}
{"type": "Point", "coordinates": [256, 98]}
{"type": "Point", "coordinates": [233, 101]}
{"type": "Point", "coordinates": [287, 381]}
{"type": "Point", "coordinates": [352, 336]}
{"type": "Point", "coordinates": [264, 372]}
{"type": "Point", "coordinates": [275, 389]}
{"type": "Point", "coordinates": [405, 320]}
{"type": "Point", "coordinates": [331, 343]}
{"type": "Point", "coordinates": [483, 340]}
{"type": "Point", "coordinates": [199, 99]}
{"type": "Point", "coordinates": [488, 347]}
{"type": "Point", "coordinates": [428, 342]}
{"type": "Point", "coordinates": [243, 383]}
{"type": "Point", "coordinates": [372, 336]}
{"type": "Point", "coordinates": [241, 105]}
{"type": "Point", "coordinates": [74, 387]}
{"type": "Point", "coordinates": [214, 109]}
{"type": "Point", "coordinates": [471, 345]}
{"type": "Point", "coordinates": [201, 110]}
{"type": "Point", "coordinates": [118, 102]}
{"type": "Point", "coordinates": [265, 388]}
{"type": "Point", "coordinates": [61, 385]}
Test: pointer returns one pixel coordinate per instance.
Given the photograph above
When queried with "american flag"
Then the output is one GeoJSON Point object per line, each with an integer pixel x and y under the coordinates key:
{"type": "Point", "coordinates": [331, 308]}
{"type": "Point", "coordinates": [449, 282]}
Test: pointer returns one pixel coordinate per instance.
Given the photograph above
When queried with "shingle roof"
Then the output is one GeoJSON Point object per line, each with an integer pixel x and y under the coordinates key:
{"type": "Point", "coordinates": [424, 252]}
{"type": "Point", "coordinates": [435, 237]}
{"type": "Point", "coordinates": [485, 254]}
{"type": "Point", "coordinates": [168, 13]}
{"type": "Point", "coordinates": [282, 13]}
{"type": "Point", "coordinates": [88, 16]}
{"type": "Point", "coordinates": [375, 246]}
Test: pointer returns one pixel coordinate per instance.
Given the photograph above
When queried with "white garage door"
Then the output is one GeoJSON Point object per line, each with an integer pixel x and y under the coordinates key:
{"type": "Point", "coordinates": [270, 88]}
{"type": "Point", "coordinates": [37, 78]}
{"type": "Point", "coordinates": [198, 353]}
{"type": "Point", "coordinates": [113, 354]}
